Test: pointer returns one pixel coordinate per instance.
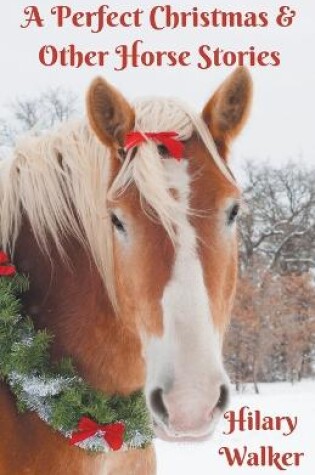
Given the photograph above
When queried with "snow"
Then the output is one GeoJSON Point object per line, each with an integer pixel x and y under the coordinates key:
{"type": "Point", "coordinates": [277, 399]}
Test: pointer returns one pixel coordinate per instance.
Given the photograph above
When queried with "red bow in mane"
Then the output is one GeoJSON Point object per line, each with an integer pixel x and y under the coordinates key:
{"type": "Point", "coordinates": [168, 139]}
{"type": "Point", "coordinates": [113, 434]}
{"type": "Point", "coordinates": [6, 269]}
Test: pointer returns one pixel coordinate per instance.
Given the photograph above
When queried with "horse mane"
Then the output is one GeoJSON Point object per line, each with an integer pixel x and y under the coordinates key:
{"type": "Point", "coordinates": [60, 182]}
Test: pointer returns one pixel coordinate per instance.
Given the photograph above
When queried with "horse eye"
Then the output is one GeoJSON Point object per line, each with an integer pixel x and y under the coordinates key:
{"type": "Point", "coordinates": [233, 213]}
{"type": "Point", "coordinates": [163, 151]}
{"type": "Point", "coordinates": [117, 223]}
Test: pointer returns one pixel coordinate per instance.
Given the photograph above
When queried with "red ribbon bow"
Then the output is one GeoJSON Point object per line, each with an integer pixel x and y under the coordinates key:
{"type": "Point", "coordinates": [168, 139]}
{"type": "Point", "coordinates": [6, 269]}
{"type": "Point", "coordinates": [113, 434]}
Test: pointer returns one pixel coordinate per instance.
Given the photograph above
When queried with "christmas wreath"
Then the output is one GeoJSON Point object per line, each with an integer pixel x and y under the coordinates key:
{"type": "Point", "coordinates": [90, 419]}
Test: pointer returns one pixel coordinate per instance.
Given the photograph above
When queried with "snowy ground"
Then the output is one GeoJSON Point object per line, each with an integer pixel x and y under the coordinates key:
{"type": "Point", "coordinates": [275, 399]}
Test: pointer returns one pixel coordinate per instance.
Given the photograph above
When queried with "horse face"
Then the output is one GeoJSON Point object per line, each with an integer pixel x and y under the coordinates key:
{"type": "Point", "coordinates": [180, 291]}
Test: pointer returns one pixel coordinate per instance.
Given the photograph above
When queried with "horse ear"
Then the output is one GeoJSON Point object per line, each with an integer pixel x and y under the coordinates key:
{"type": "Point", "coordinates": [110, 115]}
{"type": "Point", "coordinates": [227, 111]}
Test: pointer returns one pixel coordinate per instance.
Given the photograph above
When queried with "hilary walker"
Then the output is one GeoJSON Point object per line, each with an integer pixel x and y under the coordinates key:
{"type": "Point", "coordinates": [252, 420]}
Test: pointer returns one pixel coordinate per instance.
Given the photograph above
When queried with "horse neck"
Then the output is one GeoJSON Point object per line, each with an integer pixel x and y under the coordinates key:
{"type": "Point", "coordinates": [68, 298]}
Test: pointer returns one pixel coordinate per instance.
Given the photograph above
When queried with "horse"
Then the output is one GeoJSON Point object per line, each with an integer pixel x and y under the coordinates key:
{"type": "Point", "coordinates": [132, 262]}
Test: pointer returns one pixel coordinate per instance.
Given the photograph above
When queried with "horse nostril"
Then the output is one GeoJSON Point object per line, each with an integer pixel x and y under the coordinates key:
{"type": "Point", "coordinates": [224, 397]}
{"type": "Point", "coordinates": [157, 404]}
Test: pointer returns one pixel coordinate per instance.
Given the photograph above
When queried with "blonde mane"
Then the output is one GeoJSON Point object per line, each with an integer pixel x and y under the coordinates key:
{"type": "Point", "coordinates": [59, 181]}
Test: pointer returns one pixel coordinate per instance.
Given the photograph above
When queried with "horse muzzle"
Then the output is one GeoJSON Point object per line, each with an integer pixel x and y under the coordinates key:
{"type": "Point", "coordinates": [187, 415]}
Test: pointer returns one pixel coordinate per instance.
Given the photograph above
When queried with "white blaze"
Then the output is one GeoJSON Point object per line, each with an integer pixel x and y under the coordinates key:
{"type": "Point", "coordinates": [186, 360]}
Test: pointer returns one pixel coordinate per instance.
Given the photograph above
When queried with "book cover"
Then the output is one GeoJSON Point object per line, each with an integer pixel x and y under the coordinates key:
{"type": "Point", "coordinates": [157, 230]}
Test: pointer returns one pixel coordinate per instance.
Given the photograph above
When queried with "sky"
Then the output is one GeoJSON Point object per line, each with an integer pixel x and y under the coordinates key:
{"type": "Point", "coordinates": [282, 122]}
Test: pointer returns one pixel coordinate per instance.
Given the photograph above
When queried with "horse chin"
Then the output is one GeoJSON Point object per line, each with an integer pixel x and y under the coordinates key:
{"type": "Point", "coordinates": [163, 433]}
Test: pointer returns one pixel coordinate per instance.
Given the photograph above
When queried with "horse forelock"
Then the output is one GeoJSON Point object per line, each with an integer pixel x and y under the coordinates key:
{"type": "Point", "coordinates": [154, 179]}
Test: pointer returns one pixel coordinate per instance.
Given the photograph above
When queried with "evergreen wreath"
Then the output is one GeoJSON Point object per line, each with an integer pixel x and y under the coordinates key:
{"type": "Point", "coordinates": [87, 417]}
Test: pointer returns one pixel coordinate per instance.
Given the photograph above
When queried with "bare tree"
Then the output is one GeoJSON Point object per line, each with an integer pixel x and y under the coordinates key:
{"type": "Point", "coordinates": [37, 113]}
{"type": "Point", "coordinates": [272, 334]}
{"type": "Point", "coordinates": [279, 228]}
